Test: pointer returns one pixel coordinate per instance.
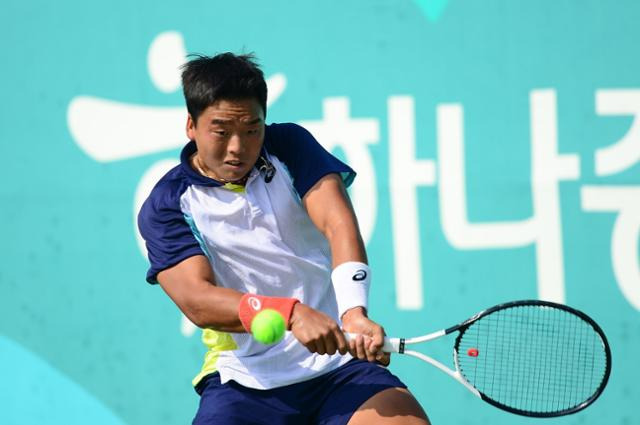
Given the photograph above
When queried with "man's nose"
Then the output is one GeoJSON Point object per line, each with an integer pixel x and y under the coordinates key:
{"type": "Point", "coordinates": [236, 144]}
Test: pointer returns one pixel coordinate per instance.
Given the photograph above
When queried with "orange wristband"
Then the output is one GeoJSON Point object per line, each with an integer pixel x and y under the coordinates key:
{"type": "Point", "coordinates": [252, 304]}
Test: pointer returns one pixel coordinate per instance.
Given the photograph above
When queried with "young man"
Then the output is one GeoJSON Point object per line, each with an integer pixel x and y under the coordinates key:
{"type": "Point", "coordinates": [257, 216]}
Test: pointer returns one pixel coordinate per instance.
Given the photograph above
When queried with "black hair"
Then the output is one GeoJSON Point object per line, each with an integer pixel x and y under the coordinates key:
{"type": "Point", "coordinates": [208, 79]}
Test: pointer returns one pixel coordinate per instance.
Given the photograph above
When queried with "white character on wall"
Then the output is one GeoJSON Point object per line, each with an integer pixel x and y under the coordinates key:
{"type": "Point", "coordinates": [108, 130]}
{"type": "Point", "coordinates": [623, 200]}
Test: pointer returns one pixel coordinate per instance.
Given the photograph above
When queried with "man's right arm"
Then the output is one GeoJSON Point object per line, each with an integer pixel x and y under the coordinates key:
{"type": "Point", "coordinates": [191, 285]}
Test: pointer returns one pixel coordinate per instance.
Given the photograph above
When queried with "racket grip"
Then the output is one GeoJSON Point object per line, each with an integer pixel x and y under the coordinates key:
{"type": "Point", "coordinates": [391, 345]}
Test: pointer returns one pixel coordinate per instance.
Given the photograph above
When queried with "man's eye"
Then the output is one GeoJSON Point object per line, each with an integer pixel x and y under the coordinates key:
{"type": "Point", "coordinates": [220, 132]}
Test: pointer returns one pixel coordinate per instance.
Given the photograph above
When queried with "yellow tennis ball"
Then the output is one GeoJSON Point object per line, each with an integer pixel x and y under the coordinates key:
{"type": "Point", "coordinates": [268, 326]}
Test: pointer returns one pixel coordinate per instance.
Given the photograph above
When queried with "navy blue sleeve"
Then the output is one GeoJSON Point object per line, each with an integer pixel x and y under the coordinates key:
{"type": "Point", "coordinates": [305, 158]}
{"type": "Point", "coordinates": [163, 226]}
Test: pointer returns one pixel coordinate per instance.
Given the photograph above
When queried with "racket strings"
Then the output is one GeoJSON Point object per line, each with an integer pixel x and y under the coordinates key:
{"type": "Point", "coordinates": [533, 358]}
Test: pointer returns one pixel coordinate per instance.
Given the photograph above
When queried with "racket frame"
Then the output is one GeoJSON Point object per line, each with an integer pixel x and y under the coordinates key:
{"type": "Point", "coordinates": [398, 345]}
{"type": "Point", "coordinates": [462, 327]}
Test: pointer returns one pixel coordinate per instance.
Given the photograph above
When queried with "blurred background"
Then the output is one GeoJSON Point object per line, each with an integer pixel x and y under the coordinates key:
{"type": "Point", "coordinates": [498, 151]}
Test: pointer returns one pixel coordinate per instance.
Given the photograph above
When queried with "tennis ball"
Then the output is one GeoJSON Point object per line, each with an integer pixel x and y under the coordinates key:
{"type": "Point", "coordinates": [268, 326]}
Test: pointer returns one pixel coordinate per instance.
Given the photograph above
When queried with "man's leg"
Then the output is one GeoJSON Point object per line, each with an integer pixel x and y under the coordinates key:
{"type": "Point", "coordinates": [391, 406]}
{"type": "Point", "coordinates": [233, 404]}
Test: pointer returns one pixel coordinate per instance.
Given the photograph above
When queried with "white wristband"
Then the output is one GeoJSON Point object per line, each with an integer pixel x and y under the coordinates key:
{"type": "Point", "coordinates": [351, 282]}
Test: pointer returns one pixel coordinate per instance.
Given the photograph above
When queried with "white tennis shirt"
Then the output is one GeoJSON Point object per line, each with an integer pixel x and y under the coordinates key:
{"type": "Point", "coordinates": [260, 240]}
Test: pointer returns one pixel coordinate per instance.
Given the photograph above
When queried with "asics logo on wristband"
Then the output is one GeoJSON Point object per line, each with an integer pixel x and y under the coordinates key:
{"type": "Point", "coordinates": [360, 275]}
{"type": "Point", "coordinates": [254, 303]}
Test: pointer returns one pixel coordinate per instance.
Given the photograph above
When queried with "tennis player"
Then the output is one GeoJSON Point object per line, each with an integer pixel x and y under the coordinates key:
{"type": "Point", "coordinates": [257, 216]}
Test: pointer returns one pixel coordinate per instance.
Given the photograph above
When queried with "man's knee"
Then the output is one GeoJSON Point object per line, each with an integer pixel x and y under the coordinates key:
{"type": "Point", "coordinates": [393, 405]}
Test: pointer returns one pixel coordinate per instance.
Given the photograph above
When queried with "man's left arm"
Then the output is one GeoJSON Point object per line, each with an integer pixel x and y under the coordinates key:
{"type": "Point", "coordinates": [330, 209]}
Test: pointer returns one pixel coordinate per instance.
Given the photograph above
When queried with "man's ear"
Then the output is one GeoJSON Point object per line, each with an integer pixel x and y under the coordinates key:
{"type": "Point", "coordinates": [191, 128]}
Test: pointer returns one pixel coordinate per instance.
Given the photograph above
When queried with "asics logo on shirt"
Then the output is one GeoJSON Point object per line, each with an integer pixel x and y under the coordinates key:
{"type": "Point", "coordinates": [254, 303]}
{"type": "Point", "coordinates": [360, 275]}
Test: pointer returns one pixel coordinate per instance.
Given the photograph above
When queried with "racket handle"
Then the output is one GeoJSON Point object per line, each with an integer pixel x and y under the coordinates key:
{"type": "Point", "coordinates": [391, 345]}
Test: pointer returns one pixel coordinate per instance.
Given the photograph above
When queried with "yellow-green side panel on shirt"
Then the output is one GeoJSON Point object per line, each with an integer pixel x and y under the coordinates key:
{"type": "Point", "coordinates": [216, 342]}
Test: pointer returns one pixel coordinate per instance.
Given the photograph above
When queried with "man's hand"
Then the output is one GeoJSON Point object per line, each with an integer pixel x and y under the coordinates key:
{"type": "Point", "coordinates": [317, 331]}
{"type": "Point", "coordinates": [368, 343]}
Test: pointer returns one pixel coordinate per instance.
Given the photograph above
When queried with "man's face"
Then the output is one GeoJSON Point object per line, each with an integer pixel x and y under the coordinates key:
{"type": "Point", "coordinates": [229, 136]}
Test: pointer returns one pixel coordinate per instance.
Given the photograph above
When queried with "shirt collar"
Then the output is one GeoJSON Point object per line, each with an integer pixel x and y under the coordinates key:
{"type": "Point", "coordinates": [193, 176]}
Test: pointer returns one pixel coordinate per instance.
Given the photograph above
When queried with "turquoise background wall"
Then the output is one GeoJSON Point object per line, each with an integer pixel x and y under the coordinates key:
{"type": "Point", "coordinates": [498, 150]}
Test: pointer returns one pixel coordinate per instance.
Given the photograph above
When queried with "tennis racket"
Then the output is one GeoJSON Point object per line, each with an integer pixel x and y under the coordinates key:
{"type": "Point", "coordinates": [531, 358]}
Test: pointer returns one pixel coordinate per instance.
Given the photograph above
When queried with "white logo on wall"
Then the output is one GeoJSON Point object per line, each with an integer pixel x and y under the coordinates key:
{"type": "Point", "coordinates": [549, 168]}
{"type": "Point", "coordinates": [106, 131]}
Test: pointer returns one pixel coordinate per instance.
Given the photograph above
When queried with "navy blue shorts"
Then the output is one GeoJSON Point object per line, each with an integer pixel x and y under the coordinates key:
{"type": "Point", "coordinates": [330, 399]}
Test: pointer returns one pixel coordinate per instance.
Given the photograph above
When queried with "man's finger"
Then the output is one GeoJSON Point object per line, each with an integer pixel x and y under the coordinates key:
{"type": "Point", "coordinates": [361, 351]}
{"type": "Point", "coordinates": [383, 358]}
{"type": "Point", "coordinates": [370, 352]}
{"type": "Point", "coordinates": [377, 338]}
{"type": "Point", "coordinates": [320, 347]}
{"type": "Point", "coordinates": [330, 344]}
{"type": "Point", "coordinates": [343, 345]}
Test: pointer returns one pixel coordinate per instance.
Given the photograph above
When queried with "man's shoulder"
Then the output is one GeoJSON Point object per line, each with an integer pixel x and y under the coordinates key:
{"type": "Point", "coordinates": [284, 132]}
{"type": "Point", "coordinates": [285, 140]}
{"type": "Point", "coordinates": [169, 188]}
{"type": "Point", "coordinates": [283, 126]}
